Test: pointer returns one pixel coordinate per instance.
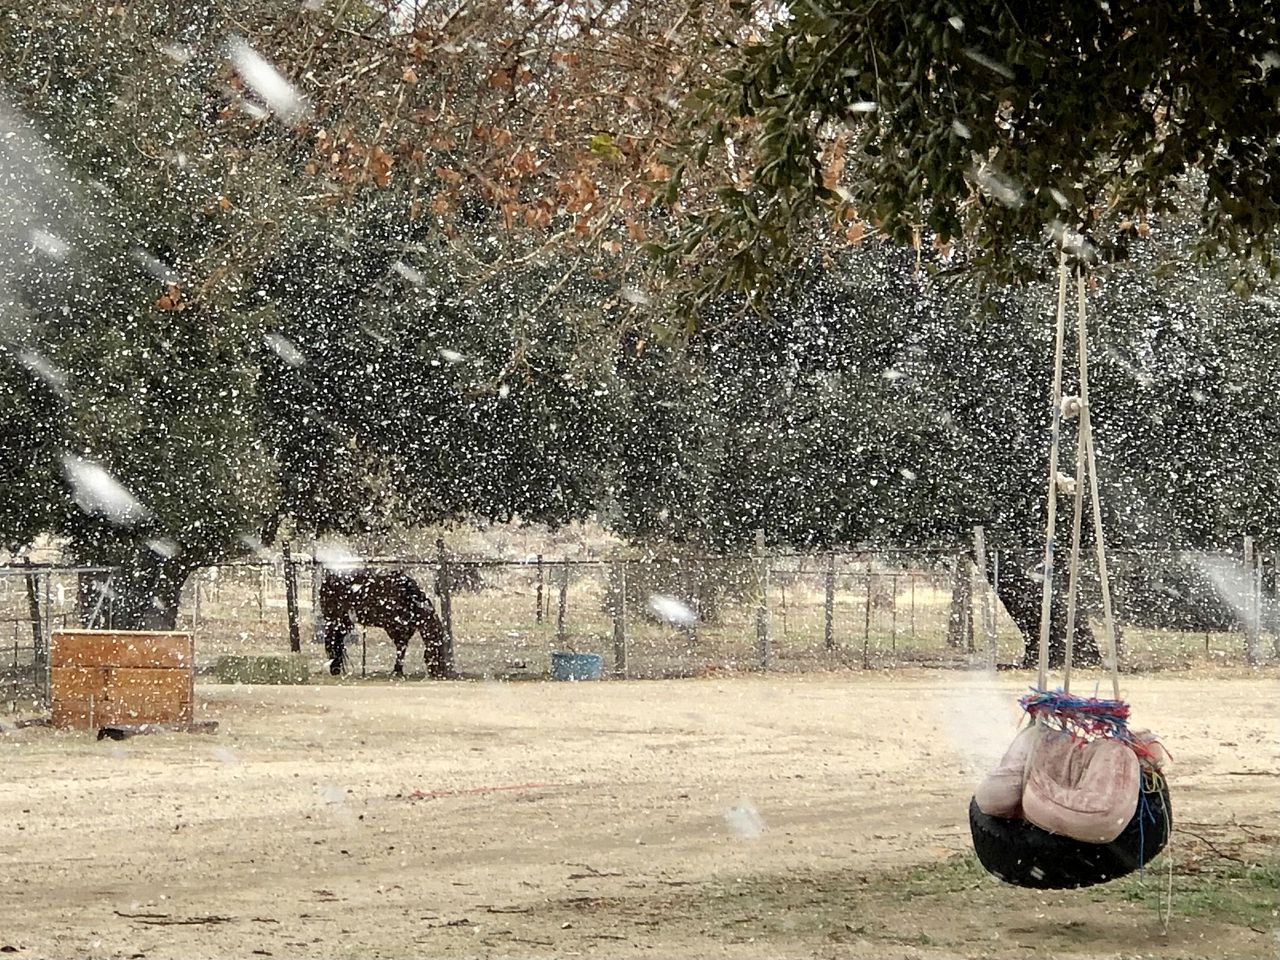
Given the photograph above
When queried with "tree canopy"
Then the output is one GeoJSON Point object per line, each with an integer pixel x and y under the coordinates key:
{"type": "Point", "coordinates": [395, 279]}
{"type": "Point", "coordinates": [932, 123]}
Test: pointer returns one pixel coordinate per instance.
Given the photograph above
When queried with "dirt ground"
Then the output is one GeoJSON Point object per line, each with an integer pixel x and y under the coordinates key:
{"type": "Point", "coordinates": [730, 817]}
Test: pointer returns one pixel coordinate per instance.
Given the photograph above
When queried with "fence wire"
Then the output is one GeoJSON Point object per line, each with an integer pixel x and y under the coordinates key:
{"type": "Point", "coordinates": [679, 615]}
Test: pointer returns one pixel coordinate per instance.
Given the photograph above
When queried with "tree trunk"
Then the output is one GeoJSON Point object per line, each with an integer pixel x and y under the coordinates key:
{"type": "Point", "coordinates": [144, 596]}
{"type": "Point", "coordinates": [1020, 594]}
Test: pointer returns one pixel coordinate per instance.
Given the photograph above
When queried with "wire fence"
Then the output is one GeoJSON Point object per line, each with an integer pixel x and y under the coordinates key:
{"type": "Point", "coordinates": [677, 615]}
{"type": "Point", "coordinates": [674, 615]}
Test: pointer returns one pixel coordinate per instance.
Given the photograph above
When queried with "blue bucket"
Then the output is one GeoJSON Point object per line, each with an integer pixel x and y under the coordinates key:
{"type": "Point", "coordinates": [577, 666]}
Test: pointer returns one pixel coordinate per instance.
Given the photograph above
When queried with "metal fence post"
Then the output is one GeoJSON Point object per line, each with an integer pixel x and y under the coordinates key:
{"type": "Point", "coordinates": [866, 621]}
{"type": "Point", "coordinates": [829, 605]}
{"type": "Point", "coordinates": [564, 602]}
{"type": "Point", "coordinates": [692, 595]}
{"type": "Point", "coordinates": [764, 653]}
{"type": "Point", "coordinates": [619, 619]}
{"type": "Point", "coordinates": [48, 612]}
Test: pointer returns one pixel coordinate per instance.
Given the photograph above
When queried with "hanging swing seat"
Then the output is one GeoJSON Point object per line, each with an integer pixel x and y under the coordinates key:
{"type": "Point", "coordinates": [1019, 852]}
{"type": "Point", "coordinates": [1078, 799]}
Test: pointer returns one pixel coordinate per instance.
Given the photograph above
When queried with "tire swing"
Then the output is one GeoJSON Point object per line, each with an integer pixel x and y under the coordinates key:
{"type": "Point", "coordinates": [1079, 798]}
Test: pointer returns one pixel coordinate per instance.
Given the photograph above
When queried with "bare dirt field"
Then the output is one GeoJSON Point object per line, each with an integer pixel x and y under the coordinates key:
{"type": "Point", "coordinates": [736, 817]}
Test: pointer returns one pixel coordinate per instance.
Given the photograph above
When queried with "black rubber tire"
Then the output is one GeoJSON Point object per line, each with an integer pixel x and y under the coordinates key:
{"type": "Point", "coordinates": [1022, 854]}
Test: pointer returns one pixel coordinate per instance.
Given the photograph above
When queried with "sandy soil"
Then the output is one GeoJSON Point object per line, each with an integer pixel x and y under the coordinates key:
{"type": "Point", "coordinates": [798, 816]}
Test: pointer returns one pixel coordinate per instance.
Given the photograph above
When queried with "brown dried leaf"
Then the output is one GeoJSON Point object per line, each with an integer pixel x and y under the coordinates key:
{"type": "Point", "coordinates": [171, 300]}
{"type": "Point", "coordinates": [833, 161]}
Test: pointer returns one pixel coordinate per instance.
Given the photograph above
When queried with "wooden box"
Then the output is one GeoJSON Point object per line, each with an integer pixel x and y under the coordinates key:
{"type": "Point", "coordinates": [100, 677]}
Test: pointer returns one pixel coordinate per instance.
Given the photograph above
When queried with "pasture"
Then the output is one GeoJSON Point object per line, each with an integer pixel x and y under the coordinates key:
{"type": "Point", "coordinates": [787, 816]}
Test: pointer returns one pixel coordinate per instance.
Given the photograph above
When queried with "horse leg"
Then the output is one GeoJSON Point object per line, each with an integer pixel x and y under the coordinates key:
{"type": "Point", "coordinates": [400, 637]}
{"type": "Point", "coordinates": [335, 637]}
{"type": "Point", "coordinates": [433, 642]}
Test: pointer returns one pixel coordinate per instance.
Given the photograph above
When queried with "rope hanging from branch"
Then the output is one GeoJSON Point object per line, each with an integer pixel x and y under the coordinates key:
{"type": "Point", "coordinates": [1073, 407]}
{"type": "Point", "coordinates": [1046, 820]}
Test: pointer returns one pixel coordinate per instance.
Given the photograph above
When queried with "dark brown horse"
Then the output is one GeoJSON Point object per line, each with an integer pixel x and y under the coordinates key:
{"type": "Point", "coordinates": [388, 599]}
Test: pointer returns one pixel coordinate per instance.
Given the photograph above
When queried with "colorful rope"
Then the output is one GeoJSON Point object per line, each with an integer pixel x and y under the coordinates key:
{"type": "Point", "coordinates": [1085, 717]}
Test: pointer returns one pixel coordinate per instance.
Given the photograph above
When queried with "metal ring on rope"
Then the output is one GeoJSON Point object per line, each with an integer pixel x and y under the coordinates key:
{"type": "Point", "coordinates": [1012, 848]}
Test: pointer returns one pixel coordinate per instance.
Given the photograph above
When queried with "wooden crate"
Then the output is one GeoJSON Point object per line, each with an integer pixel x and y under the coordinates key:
{"type": "Point", "coordinates": [102, 677]}
{"type": "Point", "coordinates": [121, 648]}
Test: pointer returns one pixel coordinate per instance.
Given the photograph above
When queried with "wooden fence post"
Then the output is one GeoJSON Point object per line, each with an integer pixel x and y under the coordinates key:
{"type": "Point", "coordinates": [195, 607]}
{"type": "Point", "coordinates": [693, 596]}
{"type": "Point", "coordinates": [619, 619]}
{"type": "Point", "coordinates": [33, 604]}
{"type": "Point", "coordinates": [1255, 605]}
{"type": "Point", "coordinates": [318, 626]}
{"type": "Point", "coordinates": [39, 640]}
{"type": "Point", "coordinates": [763, 652]}
{"type": "Point", "coordinates": [829, 605]}
{"type": "Point", "coordinates": [564, 602]}
{"type": "Point", "coordinates": [1269, 589]}
{"type": "Point", "coordinates": [866, 622]}
{"type": "Point", "coordinates": [444, 590]}
{"type": "Point", "coordinates": [291, 599]}
{"type": "Point", "coordinates": [1252, 618]}
{"type": "Point", "coordinates": [48, 614]}
{"type": "Point", "coordinates": [537, 602]}
{"type": "Point", "coordinates": [967, 586]}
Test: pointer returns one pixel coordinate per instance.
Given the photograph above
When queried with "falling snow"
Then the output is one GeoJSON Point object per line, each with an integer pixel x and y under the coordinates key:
{"type": "Point", "coordinates": [438, 306]}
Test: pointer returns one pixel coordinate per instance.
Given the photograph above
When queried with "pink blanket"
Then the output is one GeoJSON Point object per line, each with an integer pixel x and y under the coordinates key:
{"type": "Point", "coordinates": [1086, 790]}
{"type": "Point", "coordinates": [1000, 793]}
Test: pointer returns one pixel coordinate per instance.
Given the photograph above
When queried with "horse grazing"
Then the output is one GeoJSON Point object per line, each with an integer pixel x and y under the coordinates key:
{"type": "Point", "coordinates": [390, 600]}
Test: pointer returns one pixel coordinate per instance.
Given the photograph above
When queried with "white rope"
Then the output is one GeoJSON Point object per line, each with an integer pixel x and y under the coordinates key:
{"type": "Point", "coordinates": [1055, 413]}
{"type": "Point", "coordinates": [1073, 581]}
{"type": "Point", "coordinates": [1086, 440]}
